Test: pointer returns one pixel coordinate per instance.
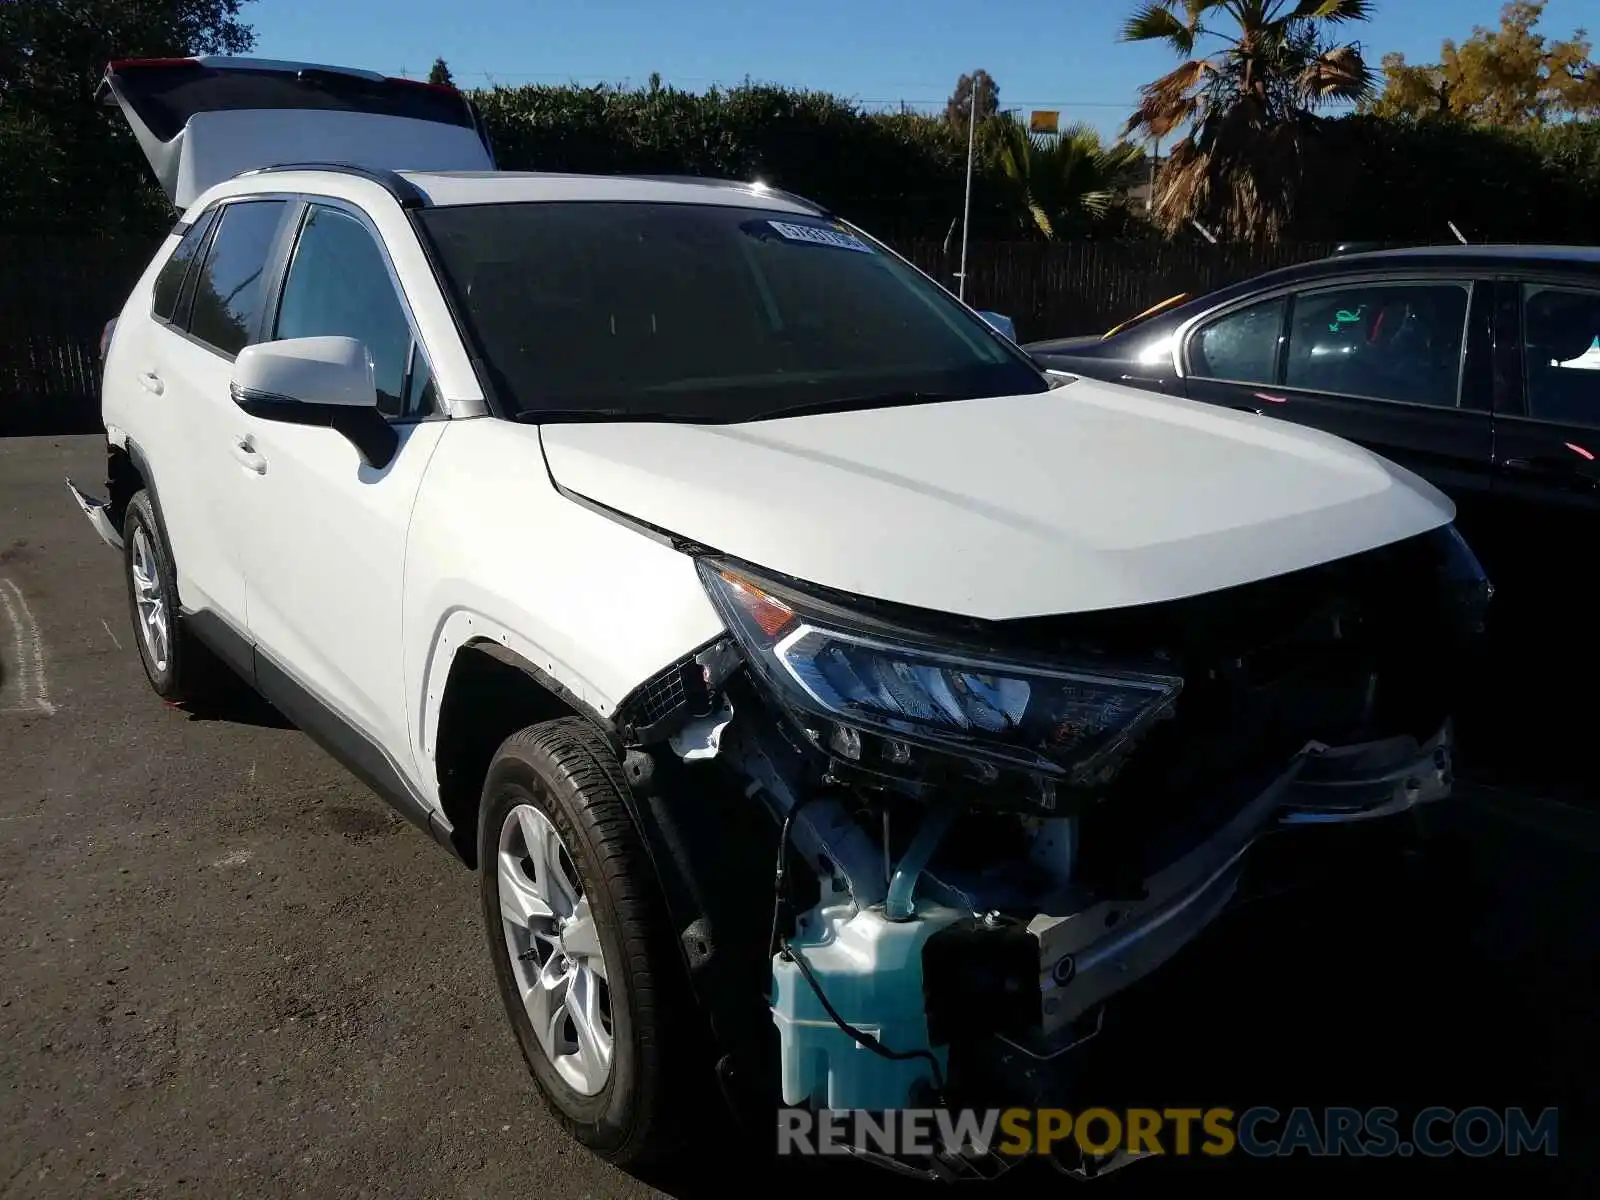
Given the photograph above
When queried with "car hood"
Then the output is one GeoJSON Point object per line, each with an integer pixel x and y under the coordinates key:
{"type": "Point", "coordinates": [1088, 496]}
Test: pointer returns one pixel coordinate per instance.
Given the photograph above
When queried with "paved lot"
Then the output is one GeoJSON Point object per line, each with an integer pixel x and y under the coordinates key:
{"type": "Point", "coordinates": [226, 969]}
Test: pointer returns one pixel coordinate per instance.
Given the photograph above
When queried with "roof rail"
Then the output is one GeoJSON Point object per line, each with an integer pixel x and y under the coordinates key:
{"type": "Point", "coordinates": [743, 185]}
{"type": "Point", "coordinates": [396, 184]}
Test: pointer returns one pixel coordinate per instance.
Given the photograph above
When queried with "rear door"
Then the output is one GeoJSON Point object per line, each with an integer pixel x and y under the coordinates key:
{"type": "Point", "coordinates": [186, 366]}
{"type": "Point", "coordinates": [1547, 451]}
{"type": "Point", "coordinates": [200, 121]}
{"type": "Point", "coordinates": [1400, 365]}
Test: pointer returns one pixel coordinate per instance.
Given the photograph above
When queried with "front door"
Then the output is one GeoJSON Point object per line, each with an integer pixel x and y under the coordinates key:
{"type": "Point", "coordinates": [324, 562]}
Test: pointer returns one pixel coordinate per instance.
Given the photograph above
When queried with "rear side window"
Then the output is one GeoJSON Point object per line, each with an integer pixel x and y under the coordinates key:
{"type": "Point", "coordinates": [1381, 341]}
{"type": "Point", "coordinates": [226, 311]}
{"type": "Point", "coordinates": [1241, 347]}
{"type": "Point", "coordinates": [169, 283]}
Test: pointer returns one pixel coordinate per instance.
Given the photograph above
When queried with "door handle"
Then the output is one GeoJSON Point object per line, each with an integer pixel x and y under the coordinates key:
{"type": "Point", "coordinates": [248, 457]}
{"type": "Point", "coordinates": [151, 382]}
{"type": "Point", "coordinates": [1552, 467]}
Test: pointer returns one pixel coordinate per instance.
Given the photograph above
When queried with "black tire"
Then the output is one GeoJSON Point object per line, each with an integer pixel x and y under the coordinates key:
{"type": "Point", "coordinates": [568, 771]}
{"type": "Point", "coordinates": [188, 671]}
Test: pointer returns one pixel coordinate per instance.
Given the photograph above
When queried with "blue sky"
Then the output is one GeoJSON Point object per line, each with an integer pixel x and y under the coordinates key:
{"type": "Point", "coordinates": [1059, 55]}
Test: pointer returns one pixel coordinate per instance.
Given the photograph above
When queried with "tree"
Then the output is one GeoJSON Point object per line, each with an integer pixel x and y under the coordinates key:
{"type": "Point", "coordinates": [440, 73]}
{"type": "Point", "coordinates": [1244, 110]}
{"type": "Point", "coordinates": [62, 161]}
{"type": "Point", "coordinates": [1064, 184]}
{"type": "Point", "coordinates": [959, 106]}
{"type": "Point", "coordinates": [1510, 76]}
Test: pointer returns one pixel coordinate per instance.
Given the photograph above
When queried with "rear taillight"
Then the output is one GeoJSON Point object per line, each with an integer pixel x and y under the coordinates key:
{"type": "Point", "coordinates": [105, 338]}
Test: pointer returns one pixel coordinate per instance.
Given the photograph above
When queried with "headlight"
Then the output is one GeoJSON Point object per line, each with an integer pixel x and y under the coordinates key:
{"type": "Point", "coordinates": [905, 690]}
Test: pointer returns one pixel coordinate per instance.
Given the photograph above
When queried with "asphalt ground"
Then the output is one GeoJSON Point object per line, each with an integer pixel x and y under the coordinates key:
{"type": "Point", "coordinates": [227, 969]}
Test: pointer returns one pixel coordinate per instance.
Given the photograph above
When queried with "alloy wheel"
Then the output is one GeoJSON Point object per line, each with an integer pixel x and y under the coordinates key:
{"type": "Point", "coordinates": [554, 946]}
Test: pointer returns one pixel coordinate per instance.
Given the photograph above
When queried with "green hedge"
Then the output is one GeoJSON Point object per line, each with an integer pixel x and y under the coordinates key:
{"type": "Point", "coordinates": [901, 176]}
{"type": "Point", "coordinates": [896, 175]}
{"type": "Point", "coordinates": [1369, 178]}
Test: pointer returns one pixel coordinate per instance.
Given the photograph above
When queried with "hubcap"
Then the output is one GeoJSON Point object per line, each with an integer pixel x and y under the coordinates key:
{"type": "Point", "coordinates": [555, 950]}
{"type": "Point", "coordinates": [150, 601]}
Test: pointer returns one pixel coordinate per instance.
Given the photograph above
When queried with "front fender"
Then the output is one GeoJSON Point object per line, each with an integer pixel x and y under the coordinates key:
{"type": "Point", "coordinates": [496, 554]}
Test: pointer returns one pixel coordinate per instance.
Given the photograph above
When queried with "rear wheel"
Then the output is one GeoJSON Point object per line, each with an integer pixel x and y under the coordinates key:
{"type": "Point", "coordinates": [583, 952]}
{"type": "Point", "coordinates": [179, 667]}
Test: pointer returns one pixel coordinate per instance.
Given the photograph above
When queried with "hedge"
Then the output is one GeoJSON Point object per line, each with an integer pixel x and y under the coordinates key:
{"type": "Point", "coordinates": [901, 175]}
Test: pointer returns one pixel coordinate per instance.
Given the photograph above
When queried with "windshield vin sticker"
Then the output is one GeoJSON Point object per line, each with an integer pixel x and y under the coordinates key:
{"type": "Point", "coordinates": [819, 237]}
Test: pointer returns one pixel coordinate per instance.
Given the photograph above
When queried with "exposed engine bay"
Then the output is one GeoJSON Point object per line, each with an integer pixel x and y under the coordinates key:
{"type": "Point", "coordinates": [987, 830]}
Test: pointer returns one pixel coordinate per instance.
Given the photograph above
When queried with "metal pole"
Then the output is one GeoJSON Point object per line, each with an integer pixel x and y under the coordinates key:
{"type": "Point", "coordinates": [966, 211]}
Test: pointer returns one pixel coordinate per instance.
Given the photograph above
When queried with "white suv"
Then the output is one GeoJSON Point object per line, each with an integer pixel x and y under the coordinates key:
{"type": "Point", "coordinates": [832, 704]}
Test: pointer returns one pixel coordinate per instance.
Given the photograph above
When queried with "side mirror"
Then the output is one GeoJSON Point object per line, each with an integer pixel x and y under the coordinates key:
{"type": "Point", "coordinates": [322, 381]}
{"type": "Point", "coordinates": [1001, 323]}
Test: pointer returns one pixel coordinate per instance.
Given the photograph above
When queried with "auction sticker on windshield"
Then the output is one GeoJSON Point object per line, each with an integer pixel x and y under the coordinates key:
{"type": "Point", "coordinates": [819, 236]}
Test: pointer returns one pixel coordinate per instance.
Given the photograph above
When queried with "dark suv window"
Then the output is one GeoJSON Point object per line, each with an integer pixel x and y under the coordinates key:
{"type": "Point", "coordinates": [339, 285]}
{"type": "Point", "coordinates": [1561, 338]}
{"type": "Point", "coordinates": [226, 311]}
{"type": "Point", "coordinates": [164, 297]}
{"type": "Point", "coordinates": [1383, 341]}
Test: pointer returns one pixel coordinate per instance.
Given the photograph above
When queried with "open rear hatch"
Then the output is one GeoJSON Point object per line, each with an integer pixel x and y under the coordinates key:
{"type": "Point", "coordinates": [203, 120]}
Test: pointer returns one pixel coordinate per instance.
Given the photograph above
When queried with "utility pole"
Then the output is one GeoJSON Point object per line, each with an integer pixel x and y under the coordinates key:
{"type": "Point", "coordinates": [966, 211]}
{"type": "Point", "coordinates": [1155, 160]}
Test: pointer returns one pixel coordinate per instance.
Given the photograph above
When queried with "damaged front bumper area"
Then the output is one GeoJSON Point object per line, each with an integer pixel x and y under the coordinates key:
{"type": "Point", "coordinates": [986, 834]}
{"type": "Point", "coordinates": [97, 514]}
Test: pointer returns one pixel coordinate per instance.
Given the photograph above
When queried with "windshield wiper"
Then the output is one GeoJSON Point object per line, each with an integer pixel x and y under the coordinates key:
{"type": "Point", "coordinates": [552, 416]}
{"type": "Point", "coordinates": [846, 404]}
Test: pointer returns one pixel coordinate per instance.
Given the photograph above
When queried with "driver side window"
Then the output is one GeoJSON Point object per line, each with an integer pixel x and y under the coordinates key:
{"type": "Point", "coordinates": [339, 285]}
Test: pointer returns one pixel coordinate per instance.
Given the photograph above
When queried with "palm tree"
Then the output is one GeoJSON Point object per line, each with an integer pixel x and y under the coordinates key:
{"type": "Point", "coordinates": [1066, 182]}
{"type": "Point", "coordinates": [1245, 107]}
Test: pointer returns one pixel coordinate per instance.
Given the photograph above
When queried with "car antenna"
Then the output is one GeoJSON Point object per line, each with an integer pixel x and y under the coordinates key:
{"type": "Point", "coordinates": [1457, 232]}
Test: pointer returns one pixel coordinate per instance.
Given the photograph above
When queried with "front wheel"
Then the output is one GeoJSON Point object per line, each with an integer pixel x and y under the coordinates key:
{"type": "Point", "coordinates": [582, 949]}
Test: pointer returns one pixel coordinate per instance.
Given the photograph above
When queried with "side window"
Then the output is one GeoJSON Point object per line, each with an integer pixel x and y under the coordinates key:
{"type": "Point", "coordinates": [164, 296]}
{"type": "Point", "coordinates": [1561, 347]}
{"type": "Point", "coordinates": [1241, 347]}
{"type": "Point", "coordinates": [228, 291]}
{"type": "Point", "coordinates": [1381, 341]}
{"type": "Point", "coordinates": [339, 285]}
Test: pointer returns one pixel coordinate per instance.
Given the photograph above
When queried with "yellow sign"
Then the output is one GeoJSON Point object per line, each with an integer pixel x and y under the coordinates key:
{"type": "Point", "coordinates": [1044, 121]}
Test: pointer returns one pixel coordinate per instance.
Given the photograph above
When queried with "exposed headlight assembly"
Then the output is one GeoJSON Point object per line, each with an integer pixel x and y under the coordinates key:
{"type": "Point", "coordinates": [882, 697]}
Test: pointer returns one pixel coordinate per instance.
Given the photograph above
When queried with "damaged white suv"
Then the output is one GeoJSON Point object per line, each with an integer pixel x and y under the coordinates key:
{"type": "Point", "coordinates": [832, 704]}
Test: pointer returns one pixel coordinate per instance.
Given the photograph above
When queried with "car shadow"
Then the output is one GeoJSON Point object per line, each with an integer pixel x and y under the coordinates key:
{"type": "Point", "coordinates": [236, 703]}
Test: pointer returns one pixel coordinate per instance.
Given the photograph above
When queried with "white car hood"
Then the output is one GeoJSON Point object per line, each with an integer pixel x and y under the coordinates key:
{"type": "Point", "coordinates": [1089, 496]}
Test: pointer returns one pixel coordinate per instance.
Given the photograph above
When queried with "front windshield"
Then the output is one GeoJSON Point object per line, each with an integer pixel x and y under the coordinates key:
{"type": "Point", "coordinates": [601, 310]}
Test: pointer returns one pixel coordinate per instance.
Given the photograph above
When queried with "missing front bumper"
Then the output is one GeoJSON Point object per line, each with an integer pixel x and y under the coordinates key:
{"type": "Point", "coordinates": [1095, 951]}
{"type": "Point", "coordinates": [95, 511]}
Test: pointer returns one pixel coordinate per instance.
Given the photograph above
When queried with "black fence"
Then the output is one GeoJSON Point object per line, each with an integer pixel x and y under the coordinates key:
{"type": "Point", "coordinates": [1070, 288]}
{"type": "Point", "coordinates": [56, 294]}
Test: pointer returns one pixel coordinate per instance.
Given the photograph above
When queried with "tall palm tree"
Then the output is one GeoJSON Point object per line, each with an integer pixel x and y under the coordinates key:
{"type": "Point", "coordinates": [1253, 73]}
{"type": "Point", "coordinates": [1066, 182]}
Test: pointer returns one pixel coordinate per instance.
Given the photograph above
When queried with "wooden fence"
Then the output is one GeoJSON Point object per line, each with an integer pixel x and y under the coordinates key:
{"type": "Point", "coordinates": [56, 294]}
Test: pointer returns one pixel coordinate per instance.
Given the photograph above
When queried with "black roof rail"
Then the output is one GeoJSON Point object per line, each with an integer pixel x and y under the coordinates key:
{"type": "Point", "coordinates": [743, 185]}
{"type": "Point", "coordinates": [396, 184]}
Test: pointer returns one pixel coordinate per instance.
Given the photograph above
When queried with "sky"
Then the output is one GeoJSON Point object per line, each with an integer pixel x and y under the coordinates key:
{"type": "Point", "coordinates": [1061, 55]}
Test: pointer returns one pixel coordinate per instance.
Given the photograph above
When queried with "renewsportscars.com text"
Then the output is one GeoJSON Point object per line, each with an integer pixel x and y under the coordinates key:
{"type": "Point", "coordinates": [1215, 1132]}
